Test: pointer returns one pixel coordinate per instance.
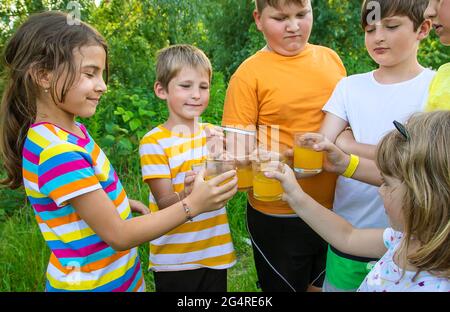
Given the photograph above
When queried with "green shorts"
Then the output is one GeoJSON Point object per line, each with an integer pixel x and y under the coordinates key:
{"type": "Point", "coordinates": [346, 272]}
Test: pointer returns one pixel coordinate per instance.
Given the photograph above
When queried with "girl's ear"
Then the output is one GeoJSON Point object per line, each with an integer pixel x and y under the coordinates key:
{"type": "Point", "coordinates": [42, 77]}
{"type": "Point", "coordinates": [160, 91]}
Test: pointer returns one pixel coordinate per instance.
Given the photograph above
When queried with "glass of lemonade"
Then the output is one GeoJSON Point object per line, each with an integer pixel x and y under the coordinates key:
{"type": "Point", "coordinates": [198, 167]}
{"type": "Point", "coordinates": [215, 167]}
{"type": "Point", "coordinates": [265, 189]}
{"type": "Point", "coordinates": [307, 160]}
{"type": "Point", "coordinates": [240, 145]}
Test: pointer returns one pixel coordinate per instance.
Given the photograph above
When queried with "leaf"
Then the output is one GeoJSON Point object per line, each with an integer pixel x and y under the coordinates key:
{"type": "Point", "coordinates": [119, 111]}
{"type": "Point", "coordinates": [134, 124]}
{"type": "Point", "coordinates": [143, 112]}
{"type": "Point", "coordinates": [125, 147]}
{"type": "Point", "coordinates": [127, 116]}
{"type": "Point", "coordinates": [108, 140]}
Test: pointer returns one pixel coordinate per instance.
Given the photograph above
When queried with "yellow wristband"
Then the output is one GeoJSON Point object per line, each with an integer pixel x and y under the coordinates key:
{"type": "Point", "coordinates": [352, 165]}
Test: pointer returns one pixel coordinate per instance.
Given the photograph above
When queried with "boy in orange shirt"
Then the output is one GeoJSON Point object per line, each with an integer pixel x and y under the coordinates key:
{"type": "Point", "coordinates": [280, 90]}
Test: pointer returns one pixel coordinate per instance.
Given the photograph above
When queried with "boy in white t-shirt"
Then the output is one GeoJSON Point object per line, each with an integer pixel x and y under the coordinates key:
{"type": "Point", "coordinates": [369, 103]}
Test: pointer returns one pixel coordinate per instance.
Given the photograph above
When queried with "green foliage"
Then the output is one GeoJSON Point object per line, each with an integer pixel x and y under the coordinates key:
{"type": "Point", "coordinates": [228, 22]}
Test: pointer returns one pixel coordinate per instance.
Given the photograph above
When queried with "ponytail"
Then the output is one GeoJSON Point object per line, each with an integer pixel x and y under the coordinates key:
{"type": "Point", "coordinates": [16, 116]}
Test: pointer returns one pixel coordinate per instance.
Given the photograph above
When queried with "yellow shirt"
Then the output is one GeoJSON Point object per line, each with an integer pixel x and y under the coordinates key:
{"type": "Point", "coordinates": [281, 95]}
{"type": "Point", "coordinates": [439, 98]}
{"type": "Point", "coordinates": [204, 242]}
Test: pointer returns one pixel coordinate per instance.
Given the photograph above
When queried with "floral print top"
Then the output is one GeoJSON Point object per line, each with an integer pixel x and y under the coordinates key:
{"type": "Point", "coordinates": [386, 276]}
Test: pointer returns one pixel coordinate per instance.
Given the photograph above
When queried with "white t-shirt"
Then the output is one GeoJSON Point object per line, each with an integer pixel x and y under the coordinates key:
{"type": "Point", "coordinates": [387, 276]}
{"type": "Point", "coordinates": [370, 108]}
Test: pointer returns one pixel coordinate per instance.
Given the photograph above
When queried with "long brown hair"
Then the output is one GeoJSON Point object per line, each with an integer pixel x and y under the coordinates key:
{"type": "Point", "coordinates": [422, 163]}
{"type": "Point", "coordinates": [45, 42]}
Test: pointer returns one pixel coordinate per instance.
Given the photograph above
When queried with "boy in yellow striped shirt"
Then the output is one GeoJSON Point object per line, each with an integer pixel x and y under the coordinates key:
{"type": "Point", "coordinates": [196, 255]}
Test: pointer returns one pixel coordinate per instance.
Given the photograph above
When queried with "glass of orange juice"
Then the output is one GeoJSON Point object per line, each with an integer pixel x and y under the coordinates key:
{"type": "Point", "coordinates": [215, 167]}
{"type": "Point", "coordinates": [265, 189]}
{"type": "Point", "coordinates": [244, 173]}
{"type": "Point", "coordinates": [240, 144]}
{"type": "Point", "coordinates": [306, 159]}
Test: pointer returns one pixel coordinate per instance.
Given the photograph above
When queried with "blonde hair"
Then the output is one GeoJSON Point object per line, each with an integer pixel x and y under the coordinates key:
{"type": "Point", "coordinates": [422, 163]}
{"type": "Point", "coordinates": [172, 59]}
{"type": "Point", "coordinates": [262, 4]}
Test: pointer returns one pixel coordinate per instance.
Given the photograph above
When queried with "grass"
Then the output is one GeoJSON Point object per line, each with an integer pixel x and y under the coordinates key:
{"type": "Point", "coordinates": [24, 254]}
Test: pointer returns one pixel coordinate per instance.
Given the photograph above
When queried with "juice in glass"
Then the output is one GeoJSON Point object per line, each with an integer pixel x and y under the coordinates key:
{"type": "Point", "coordinates": [245, 177]}
{"type": "Point", "coordinates": [215, 168]}
{"type": "Point", "coordinates": [265, 189]}
{"type": "Point", "coordinates": [307, 160]}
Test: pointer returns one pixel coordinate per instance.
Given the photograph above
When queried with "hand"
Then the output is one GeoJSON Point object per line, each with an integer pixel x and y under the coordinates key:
{"type": "Point", "coordinates": [214, 131]}
{"type": "Point", "coordinates": [210, 195]}
{"type": "Point", "coordinates": [336, 160]}
{"type": "Point", "coordinates": [189, 179]}
{"type": "Point", "coordinates": [215, 141]}
{"type": "Point", "coordinates": [288, 155]}
{"type": "Point", "coordinates": [292, 191]}
{"type": "Point", "coordinates": [137, 206]}
{"type": "Point", "coordinates": [345, 140]}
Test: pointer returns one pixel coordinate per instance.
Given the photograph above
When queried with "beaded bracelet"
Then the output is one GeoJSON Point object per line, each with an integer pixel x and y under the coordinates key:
{"type": "Point", "coordinates": [187, 210]}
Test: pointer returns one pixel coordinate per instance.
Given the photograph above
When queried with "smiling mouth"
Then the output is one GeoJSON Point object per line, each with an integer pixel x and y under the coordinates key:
{"type": "Point", "coordinates": [96, 100]}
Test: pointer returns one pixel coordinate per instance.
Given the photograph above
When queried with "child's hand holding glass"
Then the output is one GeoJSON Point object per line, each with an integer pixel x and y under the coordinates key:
{"type": "Point", "coordinates": [212, 194]}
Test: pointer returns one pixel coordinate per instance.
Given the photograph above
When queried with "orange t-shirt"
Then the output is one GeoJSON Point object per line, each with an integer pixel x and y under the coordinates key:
{"type": "Point", "coordinates": [271, 92]}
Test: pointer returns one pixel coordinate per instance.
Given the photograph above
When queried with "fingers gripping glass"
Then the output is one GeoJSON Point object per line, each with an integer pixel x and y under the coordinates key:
{"type": "Point", "coordinates": [401, 128]}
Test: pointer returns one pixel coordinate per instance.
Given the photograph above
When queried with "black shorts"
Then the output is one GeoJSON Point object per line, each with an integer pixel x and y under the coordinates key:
{"type": "Point", "coordinates": [287, 246]}
{"type": "Point", "coordinates": [198, 280]}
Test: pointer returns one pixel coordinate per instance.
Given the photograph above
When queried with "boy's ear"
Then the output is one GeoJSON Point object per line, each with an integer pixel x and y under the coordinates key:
{"type": "Point", "coordinates": [424, 29]}
{"type": "Point", "coordinates": [160, 91]}
{"type": "Point", "coordinates": [257, 18]}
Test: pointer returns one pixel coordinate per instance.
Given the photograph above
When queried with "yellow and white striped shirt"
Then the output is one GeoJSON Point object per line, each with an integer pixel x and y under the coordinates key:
{"type": "Point", "coordinates": [204, 242]}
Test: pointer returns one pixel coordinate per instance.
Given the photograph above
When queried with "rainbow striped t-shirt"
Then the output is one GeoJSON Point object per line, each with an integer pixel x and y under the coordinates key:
{"type": "Point", "coordinates": [59, 166]}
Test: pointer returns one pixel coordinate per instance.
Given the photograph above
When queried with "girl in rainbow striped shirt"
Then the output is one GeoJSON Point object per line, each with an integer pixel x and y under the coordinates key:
{"type": "Point", "coordinates": [55, 73]}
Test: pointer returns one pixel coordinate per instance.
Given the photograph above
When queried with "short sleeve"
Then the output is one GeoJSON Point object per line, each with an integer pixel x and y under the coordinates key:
{"type": "Point", "coordinates": [391, 238]}
{"type": "Point", "coordinates": [65, 171]}
{"type": "Point", "coordinates": [439, 92]}
{"type": "Point", "coordinates": [336, 103]}
{"type": "Point", "coordinates": [154, 161]}
{"type": "Point", "coordinates": [241, 104]}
